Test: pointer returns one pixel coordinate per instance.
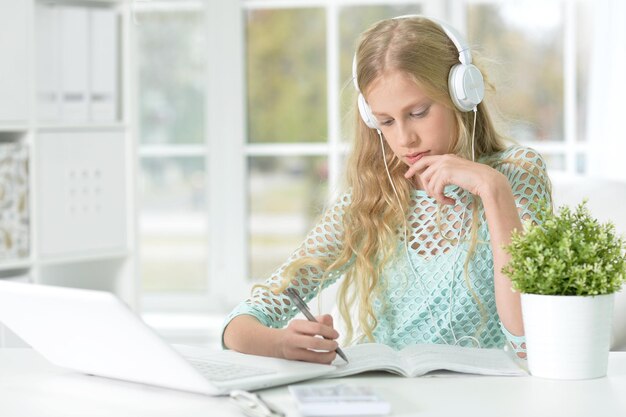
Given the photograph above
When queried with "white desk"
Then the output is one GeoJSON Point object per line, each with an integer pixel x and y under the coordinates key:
{"type": "Point", "coordinates": [30, 386]}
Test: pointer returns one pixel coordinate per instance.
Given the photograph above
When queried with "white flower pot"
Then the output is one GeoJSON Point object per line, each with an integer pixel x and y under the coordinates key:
{"type": "Point", "coordinates": [567, 337]}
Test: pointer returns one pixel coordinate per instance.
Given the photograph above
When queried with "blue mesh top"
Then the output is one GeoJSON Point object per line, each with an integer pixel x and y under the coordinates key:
{"type": "Point", "coordinates": [426, 298]}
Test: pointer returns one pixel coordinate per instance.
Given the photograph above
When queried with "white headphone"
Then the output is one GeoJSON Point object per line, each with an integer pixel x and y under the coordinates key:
{"type": "Point", "coordinates": [465, 82]}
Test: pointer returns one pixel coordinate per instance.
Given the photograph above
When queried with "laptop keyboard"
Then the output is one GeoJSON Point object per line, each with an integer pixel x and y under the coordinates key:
{"type": "Point", "coordinates": [220, 371]}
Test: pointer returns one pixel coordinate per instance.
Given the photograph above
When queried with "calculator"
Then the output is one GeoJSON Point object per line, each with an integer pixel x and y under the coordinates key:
{"type": "Point", "coordinates": [338, 400]}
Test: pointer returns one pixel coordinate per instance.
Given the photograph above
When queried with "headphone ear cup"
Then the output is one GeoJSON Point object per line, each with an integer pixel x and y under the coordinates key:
{"type": "Point", "coordinates": [366, 113]}
{"type": "Point", "coordinates": [466, 86]}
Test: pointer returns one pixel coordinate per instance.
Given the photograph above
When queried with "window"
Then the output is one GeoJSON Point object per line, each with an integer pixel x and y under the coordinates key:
{"type": "Point", "coordinates": [171, 72]}
{"type": "Point", "coordinates": [245, 111]}
{"type": "Point", "coordinates": [287, 111]}
{"type": "Point", "coordinates": [299, 90]}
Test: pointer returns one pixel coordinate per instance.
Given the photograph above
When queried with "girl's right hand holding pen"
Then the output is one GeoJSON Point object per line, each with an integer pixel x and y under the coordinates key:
{"type": "Point", "coordinates": [308, 341]}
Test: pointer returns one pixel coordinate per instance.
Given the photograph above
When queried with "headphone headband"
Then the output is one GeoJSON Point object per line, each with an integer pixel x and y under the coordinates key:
{"type": "Point", "coordinates": [465, 82]}
{"type": "Point", "coordinates": [465, 55]}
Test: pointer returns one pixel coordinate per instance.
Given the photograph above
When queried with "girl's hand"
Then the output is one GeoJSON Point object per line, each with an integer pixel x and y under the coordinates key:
{"type": "Point", "coordinates": [437, 171]}
{"type": "Point", "coordinates": [301, 340]}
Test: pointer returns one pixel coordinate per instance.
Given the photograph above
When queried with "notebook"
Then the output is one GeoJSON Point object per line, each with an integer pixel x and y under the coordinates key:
{"type": "Point", "coordinates": [94, 332]}
{"type": "Point", "coordinates": [421, 359]}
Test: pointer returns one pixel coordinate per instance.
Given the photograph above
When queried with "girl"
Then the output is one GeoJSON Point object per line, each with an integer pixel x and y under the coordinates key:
{"type": "Point", "coordinates": [417, 239]}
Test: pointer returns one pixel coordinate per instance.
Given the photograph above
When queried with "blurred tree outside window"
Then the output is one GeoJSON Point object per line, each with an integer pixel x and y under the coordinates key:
{"type": "Point", "coordinates": [171, 68]}
{"type": "Point", "coordinates": [286, 74]}
{"type": "Point", "coordinates": [526, 45]}
{"type": "Point", "coordinates": [286, 196]}
{"type": "Point", "coordinates": [173, 224]}
{"type": "Point", "coordinates": [528, 67]}
{"type": "Point", "coordinates": [287, 104]}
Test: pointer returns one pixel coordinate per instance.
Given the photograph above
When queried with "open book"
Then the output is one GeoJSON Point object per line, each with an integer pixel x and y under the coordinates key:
{"type": "Point", "coordinates": [416, 360]}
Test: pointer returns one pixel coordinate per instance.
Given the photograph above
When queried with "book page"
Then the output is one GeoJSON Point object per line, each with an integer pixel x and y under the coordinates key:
{"type": "Point", "coordinates": [368, 357]}
{"type": "Point", "coordinates": [424, 358]}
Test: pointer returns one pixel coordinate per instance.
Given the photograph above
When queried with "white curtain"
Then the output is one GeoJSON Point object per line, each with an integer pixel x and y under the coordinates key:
{"type": "Point", "coordinates": [606, 132]}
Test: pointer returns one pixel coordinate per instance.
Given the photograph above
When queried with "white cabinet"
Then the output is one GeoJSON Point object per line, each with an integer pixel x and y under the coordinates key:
{"type": "Point", "coordinates": [81, 206]}
{"type": "Point", "coordinates": [14, 61]}
{"type": "Point", "coordinates": [73, 214]}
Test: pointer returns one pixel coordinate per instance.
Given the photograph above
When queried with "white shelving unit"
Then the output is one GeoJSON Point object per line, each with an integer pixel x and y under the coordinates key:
{"type": "Point", "coordinates": [64, 75]}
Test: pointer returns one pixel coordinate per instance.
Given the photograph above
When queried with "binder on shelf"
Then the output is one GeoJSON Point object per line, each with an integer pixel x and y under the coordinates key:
{"type": "Point", "coordinates": [48, 62]}
{"type": "Point", "coordinates": [77, 64]}
{"type": "Point", "coordinates": [104, 65]}
{"type": "Point", "coordinates": [74, 53]}
{"type": "Point", "coordinates": [14, 61]}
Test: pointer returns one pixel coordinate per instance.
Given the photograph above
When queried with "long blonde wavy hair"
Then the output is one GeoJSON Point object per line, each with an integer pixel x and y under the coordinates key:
{"type": "Point", "coordinates": [371, 221]}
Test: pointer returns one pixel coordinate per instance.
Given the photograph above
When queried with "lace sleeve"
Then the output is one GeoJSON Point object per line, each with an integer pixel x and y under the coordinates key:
{"type": "Point", "coordinates": [526, 172]}
{"type": "Point", "coordinates": [323, 241]}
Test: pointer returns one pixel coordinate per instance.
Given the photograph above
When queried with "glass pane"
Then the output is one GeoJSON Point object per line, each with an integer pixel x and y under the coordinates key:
{"type": "Point", "coordinates": [286, 70]}
{"type": "Point", "coordinates": [171, 62]}
{"type": "Point", "coordinates": [173, 224]}
{"type": "Point", "coordinates": [554, 161]}
{"type": "Point", "coordinates": [581, 163]}
{"type": "Point", "coordinates": [526, 40]}
{"type": "Point", "coordinates": [353, 20]}
{"type": "Point", "coordinates": [287, 196]}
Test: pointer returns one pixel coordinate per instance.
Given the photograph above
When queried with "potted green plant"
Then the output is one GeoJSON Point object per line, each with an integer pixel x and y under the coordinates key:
{"type": "Point", "coordinates": [567, 269]}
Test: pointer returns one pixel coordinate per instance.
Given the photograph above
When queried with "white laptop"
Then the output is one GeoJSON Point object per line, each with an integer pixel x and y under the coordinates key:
{"type": "Point", "coordinates": [96, 333]}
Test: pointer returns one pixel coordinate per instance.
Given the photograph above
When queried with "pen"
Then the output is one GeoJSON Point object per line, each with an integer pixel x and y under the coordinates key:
{"type": "Point", "coordinates": [299, 302]}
